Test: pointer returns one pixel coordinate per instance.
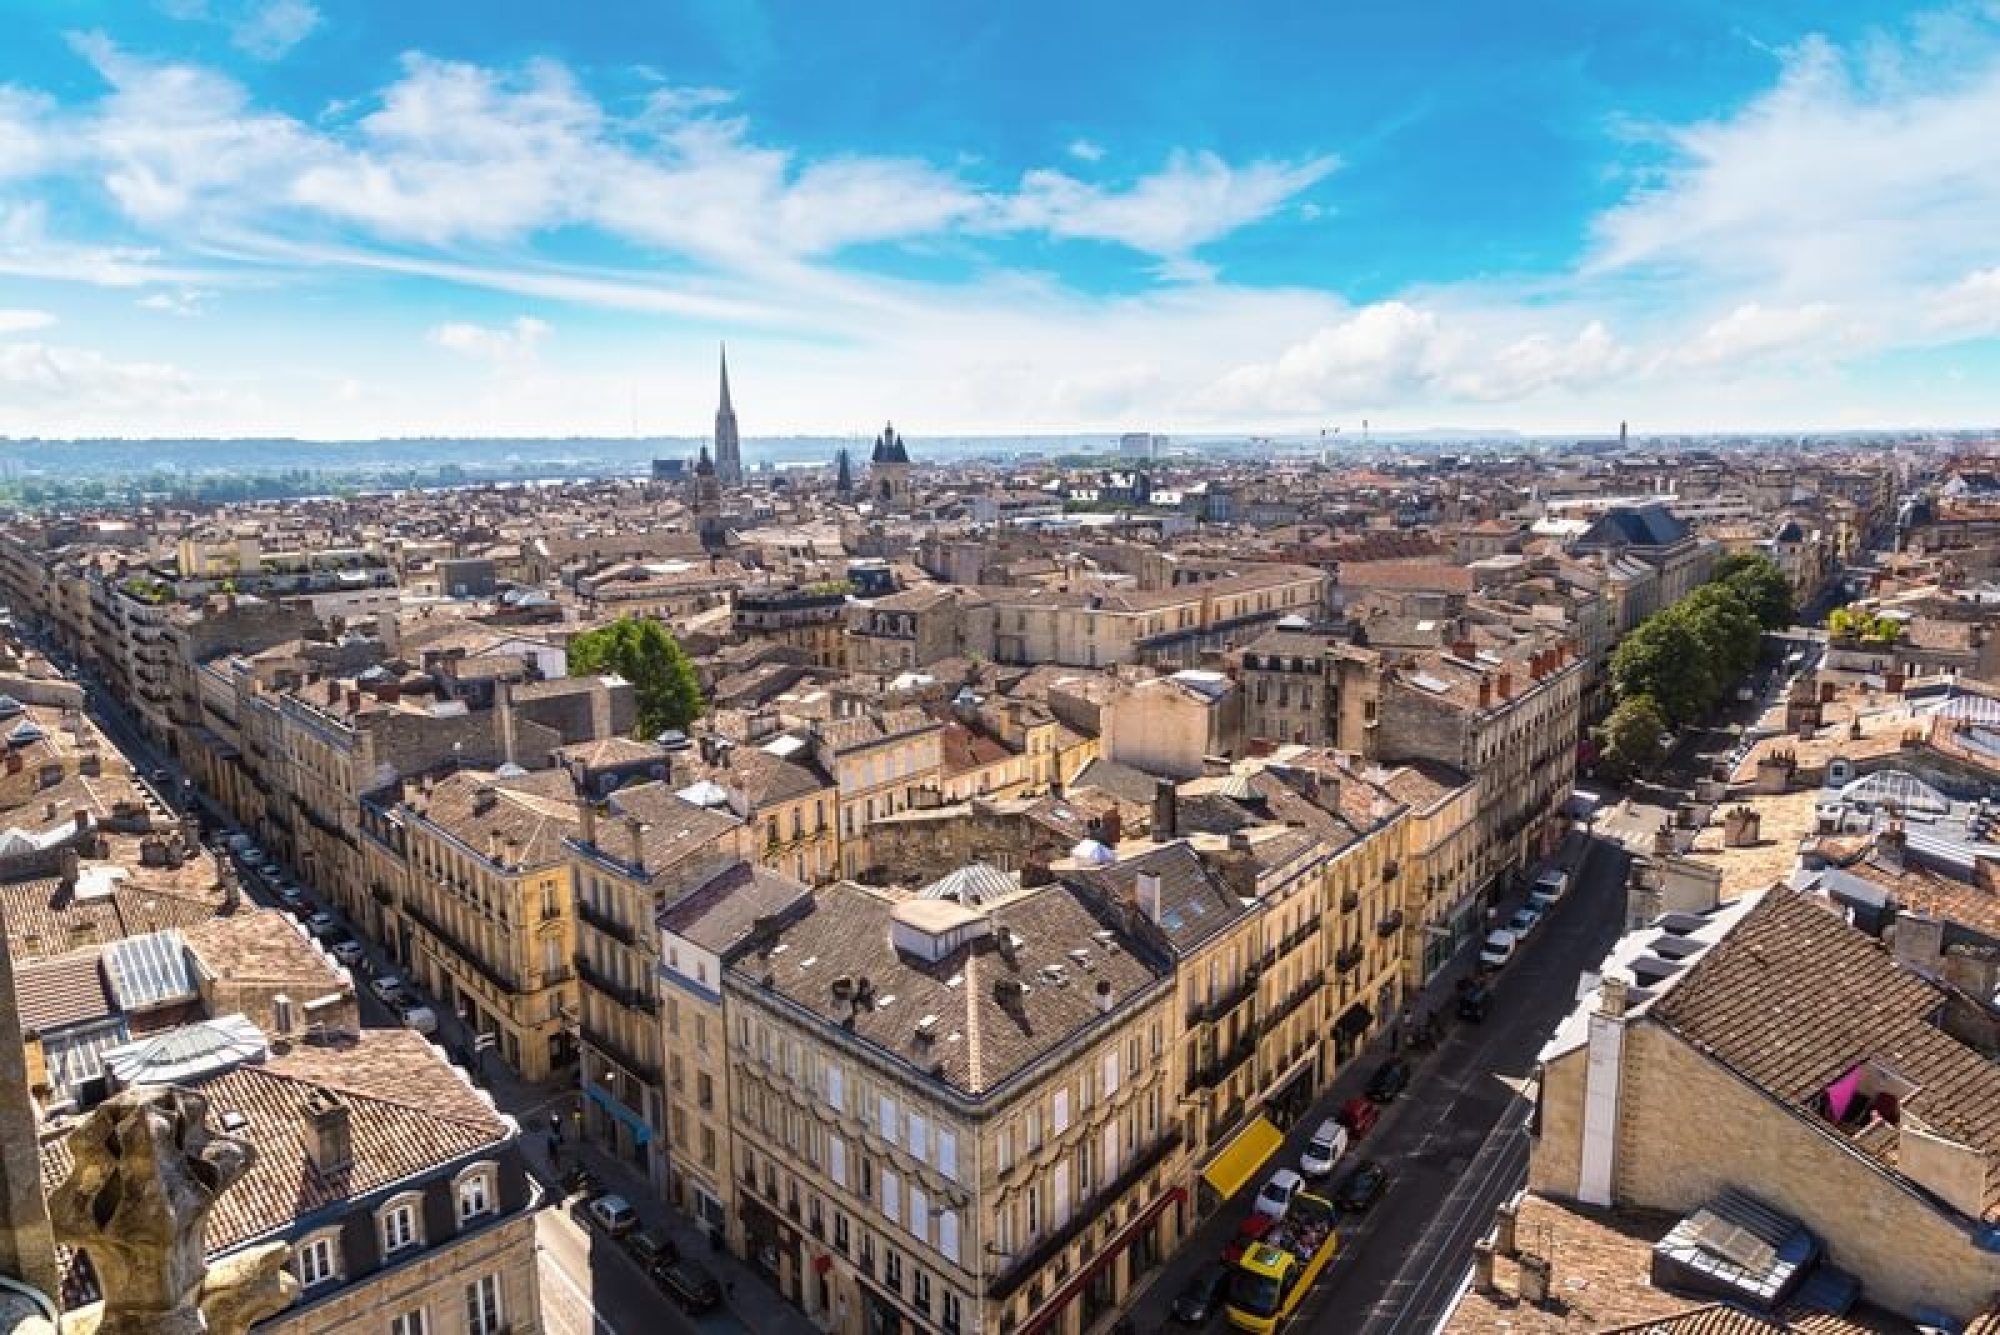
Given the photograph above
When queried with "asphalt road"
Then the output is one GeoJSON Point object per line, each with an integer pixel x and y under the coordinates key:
{"type": "Point", "coordinates": [1456, 1145]}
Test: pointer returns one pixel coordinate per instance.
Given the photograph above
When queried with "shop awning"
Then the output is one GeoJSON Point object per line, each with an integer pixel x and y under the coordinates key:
{"type": "Point", "coordinates": [641, 1133]}
{"type": "Point", "coordinates": [1255, 1144]}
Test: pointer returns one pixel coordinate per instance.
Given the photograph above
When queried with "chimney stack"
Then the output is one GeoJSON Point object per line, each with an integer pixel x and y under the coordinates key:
{"type": "Point", "coordinates": [1166, 810]}
{"type": "Point", "coordinates": [329, 1131]}
{"type": "Point", "coordinates": [1506, 686]}
{"type": "Point", "coordinates": [1148, 888]}
{"type": "Point", "coordinates": [1614, 996]}
{"type": "Point", "coordinates": [635, 830]}
{"type": "Point", "coordinates": [1105, 996]}
{"type": "Point", "coordinates": [1485, 692]}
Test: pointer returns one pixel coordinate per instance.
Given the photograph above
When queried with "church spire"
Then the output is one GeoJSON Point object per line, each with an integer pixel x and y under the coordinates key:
{"type": "Point", "coordinates": [728, 454]}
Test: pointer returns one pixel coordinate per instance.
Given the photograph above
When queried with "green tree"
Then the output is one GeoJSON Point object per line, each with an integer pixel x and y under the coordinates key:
{"type": "Point", "coordinates": [641, 651]}
{"type": "Point", "coordinates": [1755, 579]}
{"type": "Point", "coordinates": [1662, 658]}
{"type": "Point", "coordinates": [1628, 741]}
{"type": "Point", "coordinates": [1728, 630]}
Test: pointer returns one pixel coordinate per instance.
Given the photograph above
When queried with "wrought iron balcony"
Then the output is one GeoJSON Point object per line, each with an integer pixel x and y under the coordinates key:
{"type": "Point", "coordinates": [1021, 1267]}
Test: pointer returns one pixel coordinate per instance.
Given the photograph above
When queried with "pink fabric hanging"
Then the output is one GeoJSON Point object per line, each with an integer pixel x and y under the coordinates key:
{"type": "Point", "coordinates": [1841, 1093]}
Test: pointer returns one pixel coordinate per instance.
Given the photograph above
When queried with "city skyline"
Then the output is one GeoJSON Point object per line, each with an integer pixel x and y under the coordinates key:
{"type": "Point", "coordinates": [241, 217]}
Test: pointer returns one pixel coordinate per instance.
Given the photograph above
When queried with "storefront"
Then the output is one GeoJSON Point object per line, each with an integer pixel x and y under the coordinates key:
{"type": "Point", "coordinates": [1107, 1278]}
{"type": "Point", "coordinates": [1293, 1093]}
{"type": "Point", "coordinates": [1351, 1030]}
{"type": "Point", "coordinates": [618, 1128]}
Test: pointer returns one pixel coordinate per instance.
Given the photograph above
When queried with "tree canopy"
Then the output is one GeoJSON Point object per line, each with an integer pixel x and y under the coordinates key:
{"type": "Point", "coordinates": [1682, 658]}
{"type": "Point", "coordinates": [1628, 741]}
{"type": "Point", "coordinates": [641, 651]}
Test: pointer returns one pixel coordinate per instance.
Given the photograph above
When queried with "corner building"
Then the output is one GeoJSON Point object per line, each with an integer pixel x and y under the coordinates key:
{"type": "Point", "coordinates": [955, 1116]}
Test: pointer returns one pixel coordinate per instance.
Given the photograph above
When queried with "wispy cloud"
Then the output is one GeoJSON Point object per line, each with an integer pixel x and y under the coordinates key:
{"type": "Point", "coordinates": [186, 302]}
{"type": "Point", "coordinates": [21, 321]}
{"type": "Point", "coordinates": [507, 344]}
{"type": "Point", "coordinates": [1085, 150]}
{"type": "Point", "coordinates": [270, 30]}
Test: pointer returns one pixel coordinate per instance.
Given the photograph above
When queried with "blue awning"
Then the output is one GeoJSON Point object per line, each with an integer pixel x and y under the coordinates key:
{"type": "Point", "coordinates": [641, 1133]}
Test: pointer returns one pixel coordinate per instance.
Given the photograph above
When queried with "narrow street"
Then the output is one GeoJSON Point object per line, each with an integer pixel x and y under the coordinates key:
{"type": "Point", "coordinates": [1454, 1144]}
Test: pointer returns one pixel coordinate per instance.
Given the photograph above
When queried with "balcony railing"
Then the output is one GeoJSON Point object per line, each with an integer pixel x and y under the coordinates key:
{"type": "Point", "coordinates": [646, 1072]}
{"type": "Point", "coordinates": [631, 998]}
{"type": "Point", "coordinates": [1219, 1068]}
{"type": "Point", "coordinates": [600, 920]}
{"type": "Point", "coordinates": [1350, 900]}
{"type": "Point", "coordinates": [1216, 1007]}
{"type": "Point", "coordinates": [1348, 960]}
{"type": "Point", "coordinates": [1283, 1010]}
{"type": "Point", "coordinates": [1391, 869]}
{"type": "Point", "coordinates": [460, 951]}
{"type": "Point", "coordinates": [1020, 1268]}
{"type": "Point", "coordinates": [1391, 923]}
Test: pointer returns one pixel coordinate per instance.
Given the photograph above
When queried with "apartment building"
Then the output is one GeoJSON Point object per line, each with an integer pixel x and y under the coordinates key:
{"type": "Point", "coordinates": [881, 763]}
{"type": "Point", "coordinates": [1511, 718]}
{"type": "Point", "coordinates": [485, 906]}
{"type": "Point", "coordinates": [1169, 627]}
{"type": "Point", "coordinates": [717, 910]}
{"type": "Point", "coordinates": [623, 860]}
{"type": "Point", "coordinates": [1309, 690]}
{"type": "Point", "coordinates": [955, 1116]}
{"type": "Point", "coordinates": [402, 1192]}
{"type": "Point", "coordinates": [812, 620]}
{"type": "Point", "coordinates": [779, 788]}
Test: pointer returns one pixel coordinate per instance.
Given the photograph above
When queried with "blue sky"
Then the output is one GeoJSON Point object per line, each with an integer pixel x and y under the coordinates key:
{"type": "Point", "coordinates": [297, 217]}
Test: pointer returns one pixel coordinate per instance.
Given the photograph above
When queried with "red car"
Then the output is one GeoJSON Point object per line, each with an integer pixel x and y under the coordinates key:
{"type": "Point", "coordinates": [1358, 1116]}
{"type": "Point", "coordinates": [1253, 1228]}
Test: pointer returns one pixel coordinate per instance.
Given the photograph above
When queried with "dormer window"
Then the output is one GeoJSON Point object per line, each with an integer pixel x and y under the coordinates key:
{"type": "Point", "coordinates": [318, 1259]}
{"type": "Point", "coordinates": [1869, 1092]}
{"type": "Point", "coordinates": [475, 1193]}
{"type": "Point", "coordinates": [400, 1223]}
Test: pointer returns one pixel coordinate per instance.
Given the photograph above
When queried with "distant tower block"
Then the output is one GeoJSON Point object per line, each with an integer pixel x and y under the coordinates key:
{"type": "Point", "coordinates": [843, 475]}
{"type": "Point", "coordinates": [1621, 435]}
{"type": "Point", "coordinates": [889, 471]}
{"type": "Point", "coordinates": [728, 453]}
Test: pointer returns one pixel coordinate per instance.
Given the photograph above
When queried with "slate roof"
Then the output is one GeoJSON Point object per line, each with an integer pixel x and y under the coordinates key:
{"type": "Point", "coordinates": [477, 808]}
{"type": "Point", "coordinates": [1194, 906]}
{"type": "Point", "coordinates": [717, 903]}
{"type": "Point", "coordinates": [410, 1113]}
{"type": "Point", "coordinates": [982, 1038]}
{"type": "Point", "coordinates": [1794, 998]}
{"type": "Point", "coordinates": [1633, 526]}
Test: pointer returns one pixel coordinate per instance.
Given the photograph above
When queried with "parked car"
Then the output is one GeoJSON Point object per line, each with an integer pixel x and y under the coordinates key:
{"type": "Point", "coordinates": [1249, 1231]}
{"type": "Point", "coordinates": [291, 896]}
{"type": "Point", "coordinates": [1359, 1116]}
{"type": "Point", "coordinates": [1276, 1196]}
{"type": "Point", "coordinates": [349, 952]}
{"type": "Point", "coordinates": [1474, 1002]}
{"type": "Point", "coordinates": [388, 988]}
{"type": "Point", "coordinates": [651, 1248]}
{"type": "Point", "coordinates": [323, 925]}
{"type": "Point", "coordinates": [1361, 1188]}
{"type": "Point", "coordinates": [420, 1018]}
{"type": "Point", "coordinates": [1550, 886]}
{"type": "Point", "coordinates": [1391, 1078]}
{"type": "Point", "coordinates": [1324, 1150]}
{"type": "Point", "coordinates": [689, 1284]}
{"type": "Point", "coordinates": [613, 1214]}
{"type": "Point", "coordinates": [1201, 1297]}
{"type": "Point", "coordinates": [1498, 949]}
{"type": "Point", "coordinates": [1525, 920]}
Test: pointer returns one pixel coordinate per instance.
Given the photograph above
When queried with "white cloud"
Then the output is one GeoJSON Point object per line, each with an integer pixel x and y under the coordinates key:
{"type": "Point", "coordinates": [1967, 308]}
{"type": "Point", "coordinates": [509, 344]}
{"type": "Point", "coordinates": [171, 140]}
{"type": "Point", "coordinates": [1084, 150]}
{"type": "Point", "coordinates": [1858, 172]}
{"type": "Point", "coordinates": [47, 388]}
{"type": "Point", "coordinates": [187, 301]}
{"type": "Point", "coordinates": [21, 321]}
{"type": "Point", "coordinates": [269, 31]}
{"type": "Point", "coordinates": [1752, 331]}
{"type": "Point", "coordinates": [1196, 198]}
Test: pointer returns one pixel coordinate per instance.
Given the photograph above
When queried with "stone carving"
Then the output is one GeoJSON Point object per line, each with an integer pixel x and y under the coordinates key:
{"type": "Point", "coordinates": [145, 1173]}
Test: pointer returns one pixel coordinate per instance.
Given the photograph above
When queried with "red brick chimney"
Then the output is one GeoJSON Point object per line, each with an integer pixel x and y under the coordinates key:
{"type": "Point", "coordinates": [1506, 686]}
{"type": "Point", "coordinates": [1485, 692]}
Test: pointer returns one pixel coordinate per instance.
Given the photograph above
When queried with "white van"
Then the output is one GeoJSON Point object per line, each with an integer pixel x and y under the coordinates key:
{"type": "Point", "coordinates": [422, 1019]}
{"type": "Point", "coordinates": [1499, 948]}
{"type": "Point", "coordinates": [1549, 887]}
{"type": "Point", "coordinates": [1326, 1149]}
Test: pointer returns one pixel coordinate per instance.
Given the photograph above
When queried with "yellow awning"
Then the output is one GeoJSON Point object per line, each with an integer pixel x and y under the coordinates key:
{"type": "Point", "coordinates": [1229, 1170]}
